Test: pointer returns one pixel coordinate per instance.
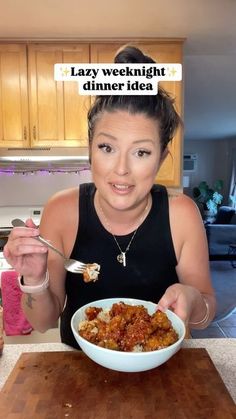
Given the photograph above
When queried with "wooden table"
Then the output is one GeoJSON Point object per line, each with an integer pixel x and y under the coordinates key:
{"type": "Point", "coordinates": [51, 381]}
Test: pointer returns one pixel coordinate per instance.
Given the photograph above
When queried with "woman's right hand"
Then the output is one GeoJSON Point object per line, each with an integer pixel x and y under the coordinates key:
{"type": "Point", "coordinates": [26, 254]}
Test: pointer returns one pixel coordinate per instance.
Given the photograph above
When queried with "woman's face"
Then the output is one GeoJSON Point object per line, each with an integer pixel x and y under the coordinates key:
{"type": "Point", "coordinates": [125, 157]}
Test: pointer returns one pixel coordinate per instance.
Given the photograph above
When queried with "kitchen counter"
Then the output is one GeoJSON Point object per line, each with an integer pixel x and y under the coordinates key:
{"type": "Point", "coordinates": [221, 351]}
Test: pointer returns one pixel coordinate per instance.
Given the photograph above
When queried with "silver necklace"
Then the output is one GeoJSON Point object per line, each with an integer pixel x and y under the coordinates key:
{"type": "Point", "coordinates": [121, 257]}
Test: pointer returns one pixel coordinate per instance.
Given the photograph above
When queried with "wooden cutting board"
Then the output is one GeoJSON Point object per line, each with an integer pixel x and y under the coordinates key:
{"type": "Point", "coordinates": [54, 385]}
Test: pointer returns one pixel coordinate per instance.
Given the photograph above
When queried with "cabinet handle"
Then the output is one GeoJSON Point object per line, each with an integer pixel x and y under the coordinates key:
{"type": "Point", "coordinates": [25, 133]}
{"type": "Point", "coordinates": [34, 132]}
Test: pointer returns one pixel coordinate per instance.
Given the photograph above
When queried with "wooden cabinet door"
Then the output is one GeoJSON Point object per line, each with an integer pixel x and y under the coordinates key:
{"type": "Point", "coordinates": [57, 111]}
{"type": "Point", "coordinates": [14, 125]}
{"type": "Point", "coordinates": [162, 52]}
{"type": "Point", "coordinates": [104, 53]}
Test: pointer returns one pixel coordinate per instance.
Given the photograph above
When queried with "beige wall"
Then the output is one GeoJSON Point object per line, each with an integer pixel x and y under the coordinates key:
{"type": "Point", "coordinates": [35, 189]}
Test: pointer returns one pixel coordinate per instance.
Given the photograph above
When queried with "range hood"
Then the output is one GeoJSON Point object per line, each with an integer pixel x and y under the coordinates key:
{"type": "Point", "coordinates": [44, 158]}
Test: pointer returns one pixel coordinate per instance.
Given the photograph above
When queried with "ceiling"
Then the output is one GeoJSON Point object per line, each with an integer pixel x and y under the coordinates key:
{"type": "Point", "coordinates": [209, 27]}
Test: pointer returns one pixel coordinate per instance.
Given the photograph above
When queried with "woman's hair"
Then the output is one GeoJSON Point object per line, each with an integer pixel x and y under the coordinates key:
{"type": "Point", "coordinates": [159, 107]}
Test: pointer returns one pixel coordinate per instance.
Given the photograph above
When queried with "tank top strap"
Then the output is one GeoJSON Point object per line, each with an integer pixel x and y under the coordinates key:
{"type": "Point", "coordinates": [86, 206]}
{"type": "Point", "coordinates": [160, 203]}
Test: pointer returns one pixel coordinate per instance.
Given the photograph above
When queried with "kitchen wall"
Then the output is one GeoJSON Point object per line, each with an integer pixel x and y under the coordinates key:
{"type": "Point", "coordinates": [214, 159]}
{"type": "Point", "coordinates": [214, 162]}
{"type": "Point", "coordinates": [35, 189]}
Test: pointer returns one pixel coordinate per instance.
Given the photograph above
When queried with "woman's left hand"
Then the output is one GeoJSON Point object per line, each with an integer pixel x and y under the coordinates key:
{"type": "Point", "coordinates": [180, 298]}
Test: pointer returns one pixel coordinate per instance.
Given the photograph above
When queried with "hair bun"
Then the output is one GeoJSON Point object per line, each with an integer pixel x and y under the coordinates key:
{"type": "Point", "coordinates": [130, 55]}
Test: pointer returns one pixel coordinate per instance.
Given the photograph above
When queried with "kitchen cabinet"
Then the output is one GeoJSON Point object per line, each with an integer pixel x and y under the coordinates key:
{"type": "Point", "coordinates": [37, 111]}
{"type": "Point", "coordinates": [57, 111]}
{"type": "Point", "coordinates": [14, 118]}
{"type": "Point", "coordinates": [162, 51]}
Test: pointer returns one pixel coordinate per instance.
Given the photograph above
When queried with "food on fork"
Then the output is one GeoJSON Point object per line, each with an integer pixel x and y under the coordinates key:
{"type": "Point", "coordinates": [127, 328]}
{"type": "Point", "coordinates": [91, 272]}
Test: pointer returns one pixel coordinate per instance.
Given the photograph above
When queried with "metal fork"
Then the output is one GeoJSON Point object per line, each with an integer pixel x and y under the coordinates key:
{"type": "Point", "coordinates": [70, 265]}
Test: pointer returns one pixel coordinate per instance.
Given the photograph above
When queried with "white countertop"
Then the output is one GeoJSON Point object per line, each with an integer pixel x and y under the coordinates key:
{"type": "Point", "coordinates": [221, 351]}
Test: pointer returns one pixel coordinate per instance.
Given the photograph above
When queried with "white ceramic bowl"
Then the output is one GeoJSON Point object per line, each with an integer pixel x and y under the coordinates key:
{"type": "Point", "coordinates": [127, 361]}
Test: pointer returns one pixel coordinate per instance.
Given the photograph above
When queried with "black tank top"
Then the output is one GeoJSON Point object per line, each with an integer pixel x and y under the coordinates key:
{"type": "Point", "coordinates": [151, 259]}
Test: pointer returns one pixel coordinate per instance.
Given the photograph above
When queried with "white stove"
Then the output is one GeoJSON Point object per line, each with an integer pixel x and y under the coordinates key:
{"type": "Point", "coordinates": [7, 214]}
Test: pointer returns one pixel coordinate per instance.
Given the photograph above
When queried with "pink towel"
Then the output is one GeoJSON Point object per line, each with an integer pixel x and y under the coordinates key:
{"type": "Point", "coordinates": [14, 320]}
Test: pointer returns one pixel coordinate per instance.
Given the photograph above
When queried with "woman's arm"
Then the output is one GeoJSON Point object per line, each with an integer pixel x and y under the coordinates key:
{"type": "Point", "coordinates": [193, 299]}
{"type": "Point", "coordinates": [59, 225]}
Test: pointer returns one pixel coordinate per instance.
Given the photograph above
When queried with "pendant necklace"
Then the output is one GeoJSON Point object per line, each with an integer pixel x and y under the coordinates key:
{"type": "Point", "coordinates": [121, 257]}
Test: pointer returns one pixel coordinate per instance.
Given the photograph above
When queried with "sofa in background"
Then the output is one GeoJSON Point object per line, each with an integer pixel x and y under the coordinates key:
{"type": "Point", "coordinates": [221, 234]}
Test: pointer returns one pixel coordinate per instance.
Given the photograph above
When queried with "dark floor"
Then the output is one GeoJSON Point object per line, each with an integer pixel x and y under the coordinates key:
{"type": "Point", "coordinates": [222, 329]}
{"type": "Point", "coordinates": [224, 283]}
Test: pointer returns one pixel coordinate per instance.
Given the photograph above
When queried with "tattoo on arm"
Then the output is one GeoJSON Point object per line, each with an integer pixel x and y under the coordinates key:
{"type": "Point", "coordinates": [29, 300]}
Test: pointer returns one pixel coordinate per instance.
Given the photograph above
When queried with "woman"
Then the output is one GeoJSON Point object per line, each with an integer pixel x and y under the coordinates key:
{"type": "Point", "coordinates": [149, 245]}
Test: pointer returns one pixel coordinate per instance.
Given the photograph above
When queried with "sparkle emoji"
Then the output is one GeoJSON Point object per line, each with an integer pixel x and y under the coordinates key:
{"type": "Point", "coordinates": [171, 71]}
{"type": "Point", "coordinates": [64, 71]}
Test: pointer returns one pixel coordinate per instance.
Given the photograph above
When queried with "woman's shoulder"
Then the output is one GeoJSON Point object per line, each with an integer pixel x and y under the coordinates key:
{"type": "Point", "coordinates": [178, 202]}
{"type": "Point", "coordinates": [181, 202]}
{"type": "Point", "coordinates": [62, 205]}
{"type": "Point", "coordinates": [60, 216]}
{"type": "Point", "coordinates": [184, 213]}
{"type": "Point", "coordinates": [63, 198]}
{"type": "Point", "coordinates": [185, 221]}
